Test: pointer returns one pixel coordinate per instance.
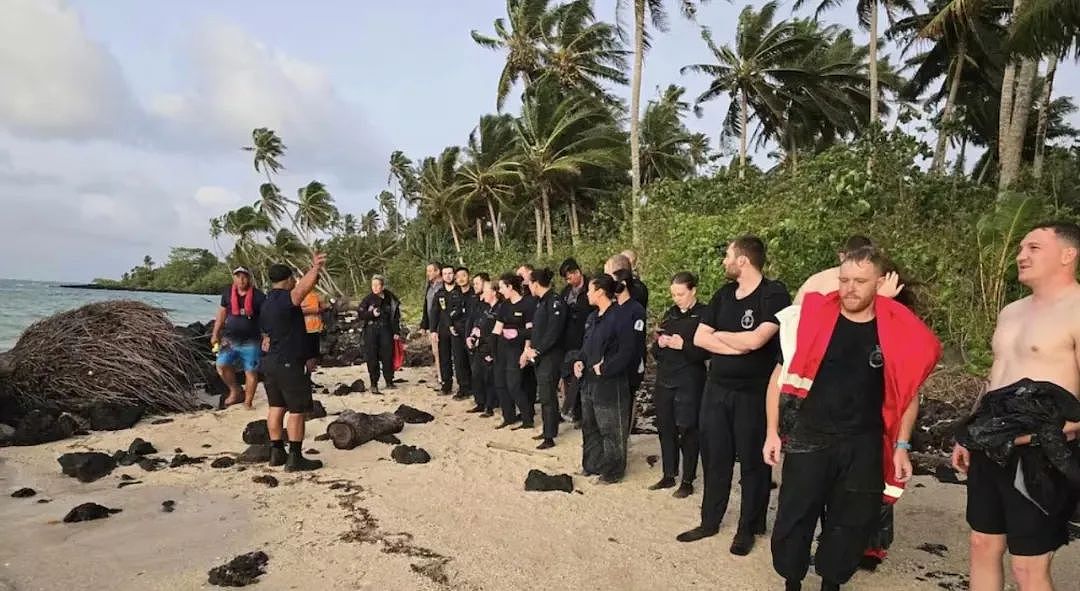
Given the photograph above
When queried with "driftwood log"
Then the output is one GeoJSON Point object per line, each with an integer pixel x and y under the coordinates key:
{"type": "Point", "coordinates": [351, 429]}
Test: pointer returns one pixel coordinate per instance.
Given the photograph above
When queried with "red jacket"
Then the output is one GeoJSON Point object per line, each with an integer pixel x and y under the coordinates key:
{"type": "Point", "coordinates": [909, 347]}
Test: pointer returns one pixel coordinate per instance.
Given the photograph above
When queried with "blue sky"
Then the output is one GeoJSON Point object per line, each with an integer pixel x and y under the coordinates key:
{"type": "Point", "coordinates": [120, 121]}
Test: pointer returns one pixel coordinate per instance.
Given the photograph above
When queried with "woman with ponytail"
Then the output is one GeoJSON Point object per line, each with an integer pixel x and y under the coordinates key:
{"type": "Point", "coordinates": [512, 326]}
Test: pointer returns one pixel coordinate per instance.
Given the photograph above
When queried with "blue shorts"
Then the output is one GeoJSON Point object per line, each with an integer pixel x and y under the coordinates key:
{"type": "Point", "coordinates": [245, 355]}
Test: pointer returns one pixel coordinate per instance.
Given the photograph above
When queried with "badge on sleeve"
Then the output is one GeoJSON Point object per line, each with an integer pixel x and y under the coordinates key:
{"type": "Point", "coordinates": [639, 325]}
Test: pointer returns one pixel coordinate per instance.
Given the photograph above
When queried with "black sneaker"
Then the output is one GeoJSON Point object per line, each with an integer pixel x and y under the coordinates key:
{"type": "Point", "coordinates": [375, 391]}
{"type": "Point", "coordinates": [278, 456]}
{"type": "Point", "coordinates": [487, 414]}
{"type": "Point", "coordinates": [298, 463]}
{"type": "Point", "coordinates": [742, 544]}
{"type": "Point", "coordinates": [685, 489]}
{"type": "Point", "coordinates": [665, 482]}
{"type": "Point", "coordinates": [462, 395]}
{"type": "Point", "coordinates": [476, 409]}
{"type": "Point", "coordinates": [698, 533]}
{"type": "Point", "coordinates": [605, 479]}
{"type": "Point", "coordinates": [546, 444]}
{"type": "Point", "coordinates": [506, 424]}
{"type": "Point", "coordinates": [524, 425]}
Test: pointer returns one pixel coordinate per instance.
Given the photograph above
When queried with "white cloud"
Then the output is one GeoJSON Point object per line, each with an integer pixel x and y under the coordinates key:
{"type": "Point", "coordinates": [55, 81]}
{"type": "Point", "coordinates": [216, 198]}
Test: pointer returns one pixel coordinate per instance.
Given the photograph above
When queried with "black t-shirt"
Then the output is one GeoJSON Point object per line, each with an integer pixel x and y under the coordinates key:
{"type": "Point", "coordinates": [849, 388]}
{"type": "Point", "coordinates": [517, 318]}
{"type": "Point", "coordinates": [727, 313]}
{"type": "Point", "coordinates": [283, 322]}
{"type": "Point", "coordinates": [674, 366]}
{"type": "Point", "coordinates": [241, 327]}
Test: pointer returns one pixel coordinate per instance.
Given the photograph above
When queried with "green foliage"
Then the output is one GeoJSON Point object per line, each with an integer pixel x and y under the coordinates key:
{"type": "Point", "coordinates": [189, 270]}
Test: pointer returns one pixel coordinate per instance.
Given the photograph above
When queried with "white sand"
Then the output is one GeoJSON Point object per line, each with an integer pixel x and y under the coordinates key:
{"type": "Point", "coordinates": [467, 506]}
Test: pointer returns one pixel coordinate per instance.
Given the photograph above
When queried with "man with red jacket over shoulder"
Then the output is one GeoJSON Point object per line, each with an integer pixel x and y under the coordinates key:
{"type": "Point", "coordinates": [846, 405]}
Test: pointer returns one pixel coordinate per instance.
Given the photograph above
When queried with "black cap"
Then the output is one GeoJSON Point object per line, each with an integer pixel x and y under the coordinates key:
{"type": "Point", "coordinates": [279, 273]}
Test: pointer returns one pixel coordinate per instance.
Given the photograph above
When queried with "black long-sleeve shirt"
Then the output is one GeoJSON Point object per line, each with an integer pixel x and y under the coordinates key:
{"type": "Point", "coordinates": [577, 312]}
{"type": "Point", "coordinates": [549, 320]}
{"type": "Point", "coordinates": [679, 365]}
{"type": "Point", "coordinates": [612, 343]}
{"type": "Point", "coordinates": [463, 305]}
{"type": "Point", "coordinates": [482, 320]}
{"type": "Point", "coordinates": [635, 316]}
{"type": "Point", "coordinates": [389, 311]}
{"type": "Point", "coordinates": [447, 303]}
{"type": "Point", "coordinates": [639, 292]}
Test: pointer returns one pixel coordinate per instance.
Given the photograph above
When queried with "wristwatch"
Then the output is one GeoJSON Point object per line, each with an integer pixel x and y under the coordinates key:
{"type": "Point", "coordinates": [905, 445]}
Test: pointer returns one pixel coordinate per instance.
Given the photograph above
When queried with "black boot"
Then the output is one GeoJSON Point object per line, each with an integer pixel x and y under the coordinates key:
{"type": "Point", "coordinates": [697, 533]}
{"type": "Point", "coordinates": [685, 489]}
{"type": "Point", "coordinates": [742, 544]}
{"type": "Point", "coordinates": [277, 455]}
{"type": "Point", "coordinates": [665, 482]}
{"type": "Point", "coordinates": [297, 462]}
{"type": "Point", "coordinates": [546, 444]}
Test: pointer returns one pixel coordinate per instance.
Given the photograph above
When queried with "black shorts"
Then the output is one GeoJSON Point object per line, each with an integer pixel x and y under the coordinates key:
{"type": "Point", "coordinates": [311, 346]}
{"type": "Point", "coordinates": [994, 506]}
{"type": "Point", "coordinates": [287, 385]}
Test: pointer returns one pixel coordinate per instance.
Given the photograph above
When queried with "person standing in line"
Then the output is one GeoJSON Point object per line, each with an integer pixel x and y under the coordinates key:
{"type": "Point", "coordinates": [236, 334]}
{"type": "Point", "coordinates": [739, 329]}
{"type": "Point", "coordinates": [447, 300]}
{"type": "Point", "coordinates": [576, 297]}
{"type": "Point", "coordinates": [313, 307]}
{"type": "Point", "coordinates": [544, 351]}
{"type": "Point", "coordinates": [528, 376]}
{"type": "Point", "coordinates": [434, 284]}
{"type": "Point", "coordinates": [842, 412]}
{"type": "Point", "coordinates": [1037, 338]}
{"type": "Point", "coordinates": [481, 343]}
{"type": "Point", "coordinates": [636, 315]}
{"type": "Point", "coordinates": [640, 291]}
{"type": "Point", "coordinates": [680, 379]}
{"type": "Point", "coordinates": [607, 355]}
{"type": "Point", "coordinates": [381, 312]}
{"type": "Point", "coordinates": [287, 388]}
{"type": "Point", "coordinates": [512, 326]}
{"type": "Point", "coordinates": [459, 329]}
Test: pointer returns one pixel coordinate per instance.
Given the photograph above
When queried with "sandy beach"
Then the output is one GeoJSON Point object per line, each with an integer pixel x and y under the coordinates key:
{"type": "Point", "coordinates": [462, 521]}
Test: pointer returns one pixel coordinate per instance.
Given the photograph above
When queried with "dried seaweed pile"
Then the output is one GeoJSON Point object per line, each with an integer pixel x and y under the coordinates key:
{"type": "Point", "coordinates": [106, 352]}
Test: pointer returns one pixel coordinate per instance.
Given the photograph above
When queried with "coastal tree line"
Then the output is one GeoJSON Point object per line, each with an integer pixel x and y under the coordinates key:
{"type": "Point", "coordinates": [577, 169]}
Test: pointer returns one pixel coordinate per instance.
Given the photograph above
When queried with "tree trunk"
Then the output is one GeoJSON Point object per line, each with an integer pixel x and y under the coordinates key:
{"type": "Point", "coordinates": [545, 203]}
{"type": "Point", "coordinates": [1011, 154]}
{"type": "Point", "coordinates": [1005, 108]}
{"type": "Point", "coordinates": [873, 62]}
{"type": "Point", "coordinates": [1044, 116]}
{"type": "Point", "coordinates": [947, 115]}
{"type": "Point", "coordinates": [635, 139]}
{"type": "Point", "coordinates": [539, 231]}
{"type": "Point", "coordinates": [351, 429]}
{"type": "Point", "coordinates": [742, 135]}
{"type": "Point", "coordinates": [479, 231]}
{"type": "Point", "coordinates": [961, 158]}
{"type": "Point", "coordinates": [457, 242]}
{"type": "Point", "coordinates": [494, 224]}
{"type": "Point", "coordinates": [574, 229]}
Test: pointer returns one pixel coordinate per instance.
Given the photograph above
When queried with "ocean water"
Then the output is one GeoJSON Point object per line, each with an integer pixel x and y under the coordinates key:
{"type": "Point", "coordinates": [24, 302]}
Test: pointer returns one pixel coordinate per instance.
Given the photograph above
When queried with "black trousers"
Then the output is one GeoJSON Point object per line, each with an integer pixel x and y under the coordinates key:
{"type": "Point", "coordinates": [483, 383]}
{"type": "Point", "coordinates": [548, 367]}
{"type": "Point", "coordinates": [530, 385]}
{"type": "Point", "coordinates": [446, 362]}
{"type": "Point", "coordinates": [379, 352]}
{"type": "Point", "coordinates": [733, 424]}
{"type": "Point", "coordinates": [572, 388]}
{"type": "Point", "coordinates": [462, 362]}
{"type": "Point", "coordinates": [677, 437]}
{"type": "Point", "coordinates": [841, 486]}
{"type": "Point", "coordinates": [604, 420]}
{"type": "Point", "coordinates": [512, 395]}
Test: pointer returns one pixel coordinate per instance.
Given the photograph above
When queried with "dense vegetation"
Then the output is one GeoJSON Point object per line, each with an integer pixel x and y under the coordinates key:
{"type": "Point", "coordinates": [577, 172]}
{"type": "Point", "coordinates": [188, 270]}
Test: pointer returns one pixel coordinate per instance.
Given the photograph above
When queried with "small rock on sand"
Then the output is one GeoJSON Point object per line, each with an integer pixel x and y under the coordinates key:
{"type": "Point", "coordinates": [86, 466]}
{"type": "Point", "coordinates": [160, 421]}
{"type": "Point", "coordinates": [24, 493]}
{"type": "Point", "coordinates": [255, 454]}
{"type": "Point", "coordinates": [168, 506]}
{"type": "Point", "coordinates": [266, 479]}
{"type": "Point", "coordinates": [240, 571]}
{"type": "Point", "coordinates": [139, 447]}
{"type": "Point", "coordinates": [388, 439]}
{"type": "Point", "coordinates": [408, 454]}
{"type": "Point", "coordinates": [183, 460]}
{"type": "Point", "coordinates": [225, 462]}
{"type": "Point", "coordinates": [256, 432]}
{"type": "Point", "coordinates": [88, 512]}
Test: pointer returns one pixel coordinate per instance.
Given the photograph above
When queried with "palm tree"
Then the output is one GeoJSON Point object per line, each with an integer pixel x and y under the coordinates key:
{"type": "Point", "coordinates": [488, 178]}
{"type": "Point", "coordinates": [315, 209]}
{"type": "Point", "coordinates": [1047, 27]}
{"type": "Point", "coordinates": [868, 18]}
{"type": "Point", "coordinates": [530, 22]}
{"type": "Point", "coordinates": [389, 207]}
{"type": "Point", "coordinates": [439, 191]}
{"type": "Point", "coordinates": [658, 16]}
{"type": "Point", "coordinates": [403, 171]}
{"type": "Point", "coordinates": [558, 138]}
{"type": "Point", "coordinates": [966, 45]}
{"type": "Point", "coordinates": [369, 224]}
{"type": "Point", "coordinates": [751, 73]}
{"type": "Point", "coordinates": [216, 230]}
{"type": "Point", "coordinates": [148, 263]}
{"type": "Point", "coordinates": [581, 54]}
{"type": "Point", "coordinates": [349, 225]}
{"type": "Point", "coordinates": [669, 150]}
{"type": "Point", "coordinates": [267, 148]}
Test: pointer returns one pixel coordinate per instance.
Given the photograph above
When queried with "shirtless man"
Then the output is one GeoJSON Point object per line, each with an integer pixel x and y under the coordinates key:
{"type": "Point", "coordinates": [1037, 337]}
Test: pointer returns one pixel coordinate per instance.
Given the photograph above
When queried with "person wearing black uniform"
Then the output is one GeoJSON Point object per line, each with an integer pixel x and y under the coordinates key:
{"type": "Point", "coordinates": [528, 375]}
{"type": "Point", "coordinates": [544, 351]}
{"type": "Point", "coordinates": [381, 312]}
{"type": "Point", "coordinates": [637, 289]}
{"type": "Point", "coordinates": [512, 326]}
{"type": "Point", "coordinates": [281, 320]}
{"type": "Point", "coordinates": [446, 302]}
{"type": "Point", "coordinates": [680, 379]}
{"type": "Point", "coordinates": [608, 354]}
{"type": "Point", "coordinates": [636, 312]}
{"type": "Point", "coordinates": [575, 295]}
{"type": "Point", "coordinates": [481, 343]}
{"type": "Point", "coordinates": [740, 330]}
{"type": "Point", "coordinates": [639, 292]}
{"type": "Point", "coordinates": [459, 328]}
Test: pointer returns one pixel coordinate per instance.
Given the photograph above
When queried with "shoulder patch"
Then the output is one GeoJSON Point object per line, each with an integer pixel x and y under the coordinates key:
{"type": "Point", "coordinates": [639, 325]}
